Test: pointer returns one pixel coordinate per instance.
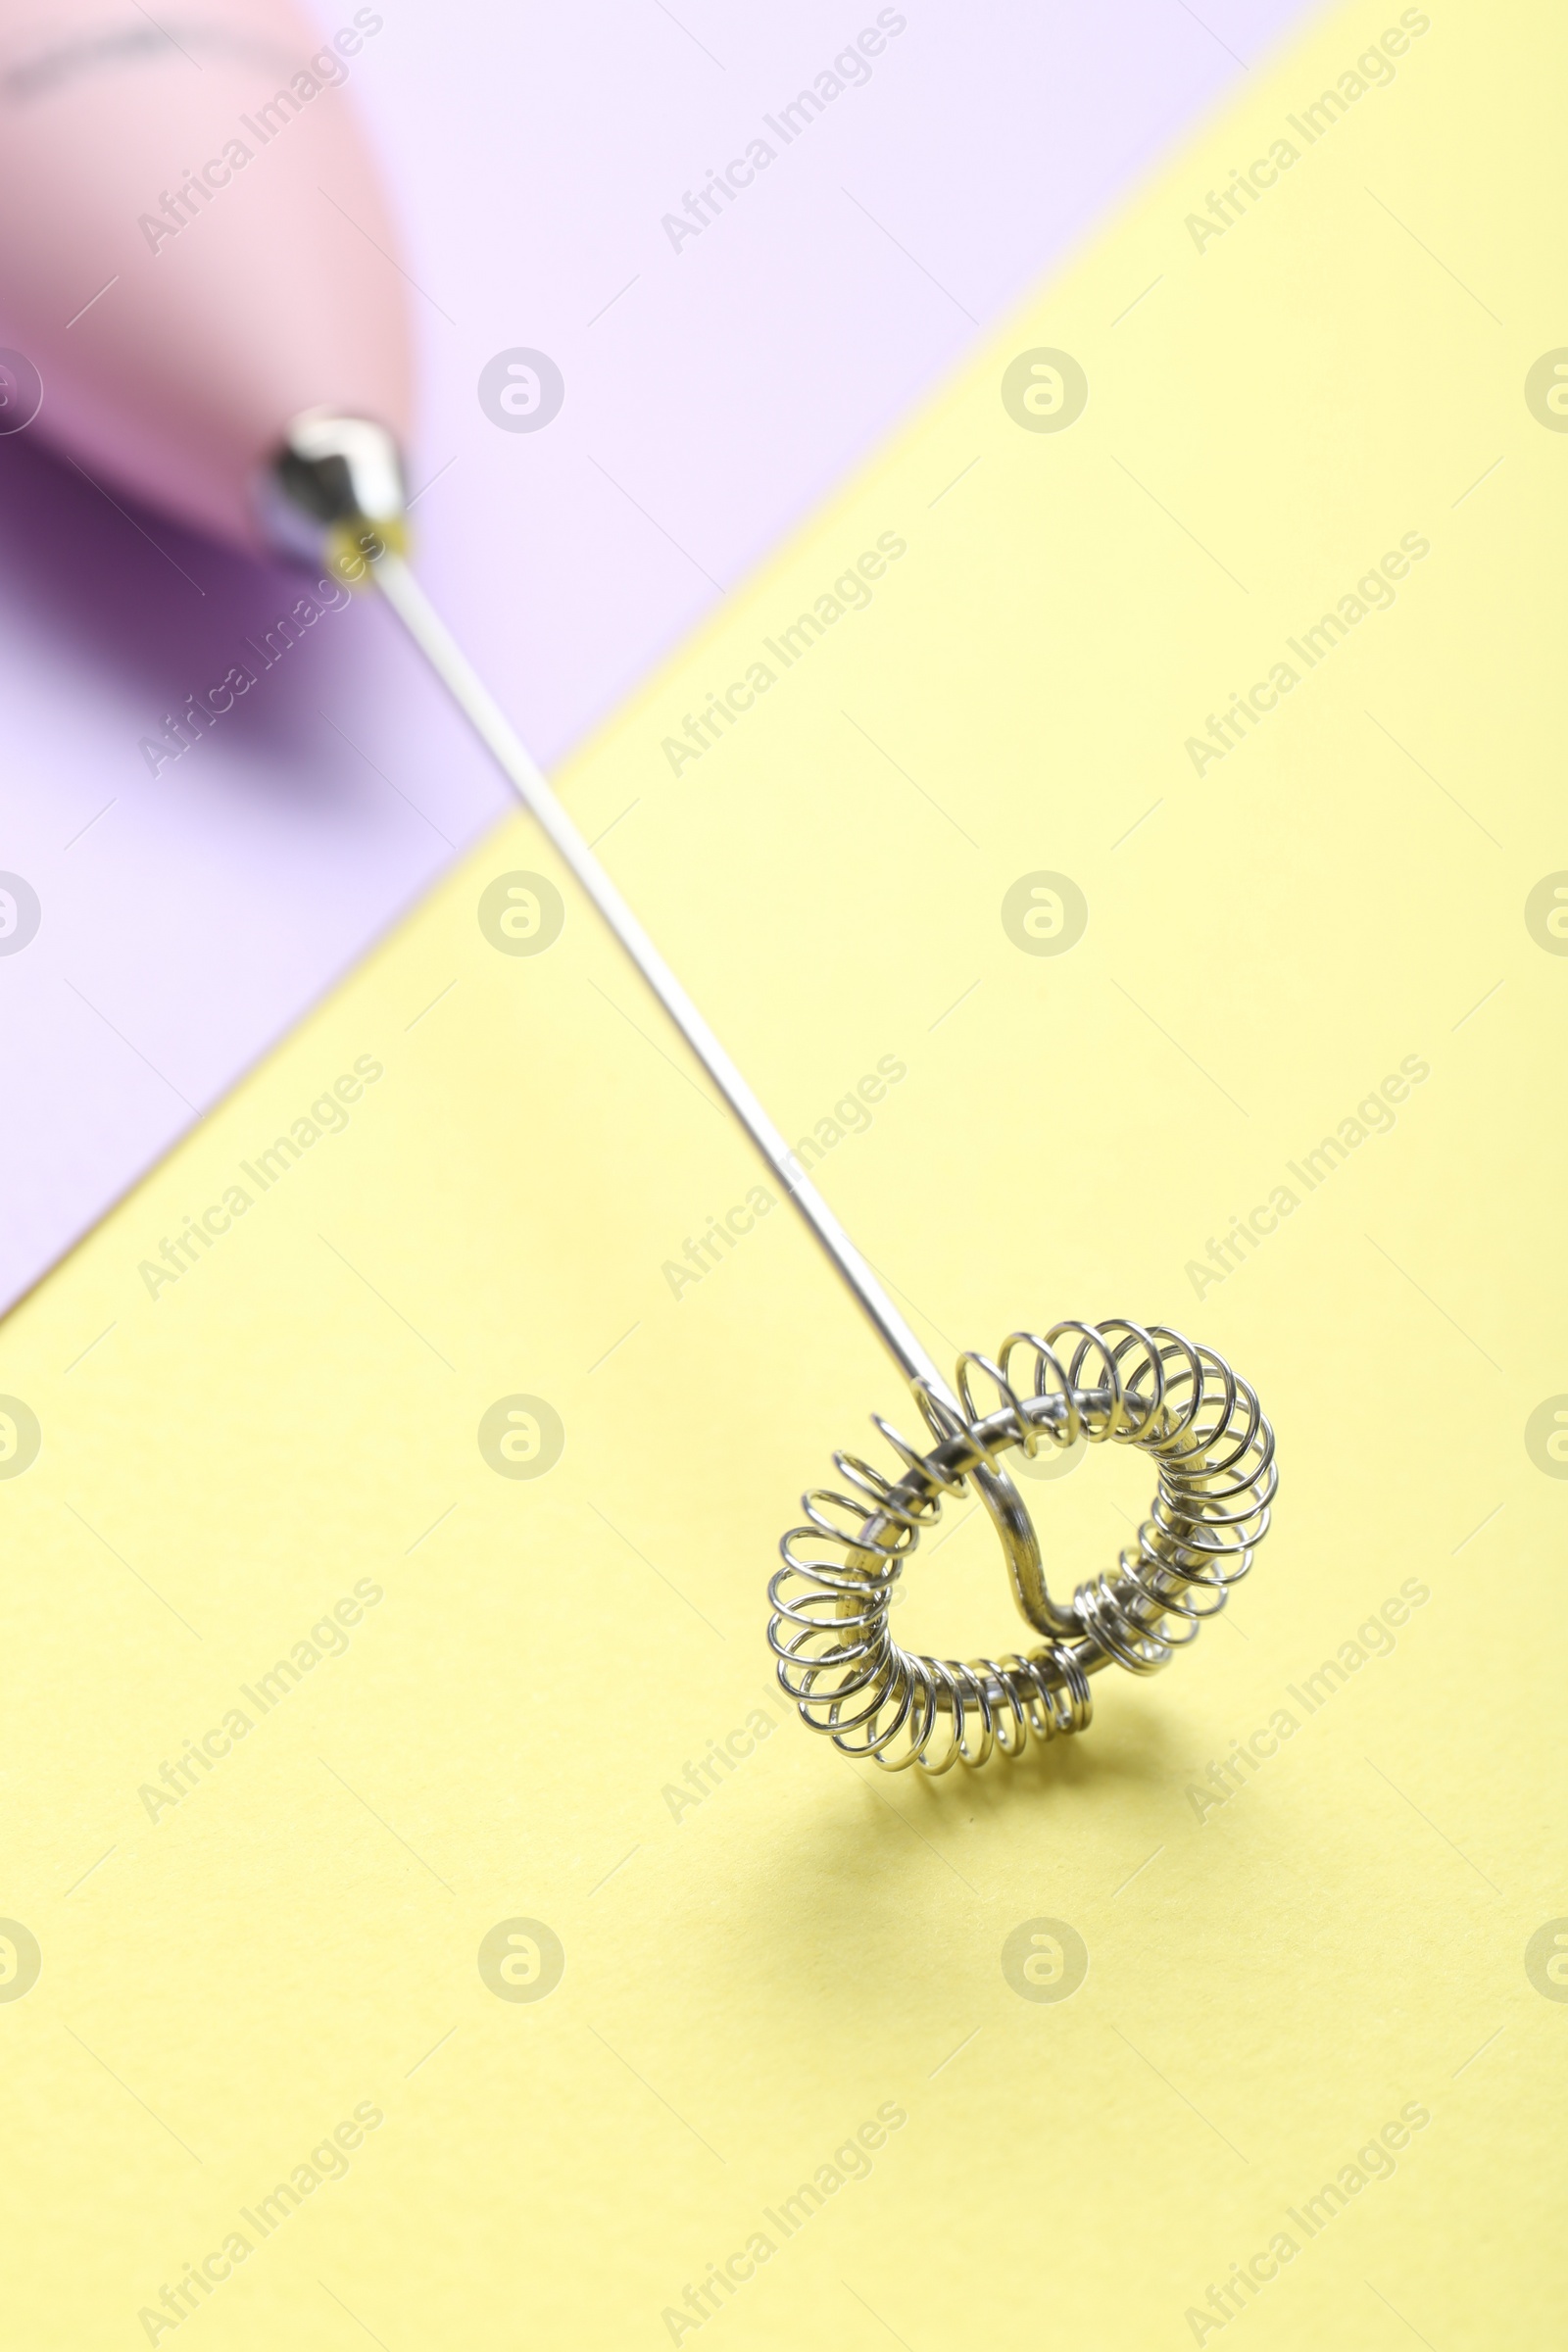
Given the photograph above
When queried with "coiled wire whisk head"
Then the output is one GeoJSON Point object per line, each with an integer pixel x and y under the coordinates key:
{"type": "Point", "coordinates": [1113, 1383]}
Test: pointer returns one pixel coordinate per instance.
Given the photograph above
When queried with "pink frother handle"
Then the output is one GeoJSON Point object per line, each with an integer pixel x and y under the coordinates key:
{"type": "Point", "coordinates": [194, 247]}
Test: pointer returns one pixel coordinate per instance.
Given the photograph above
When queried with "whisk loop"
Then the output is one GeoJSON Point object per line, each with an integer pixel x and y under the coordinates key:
{"type": "Point", "coordinates": [1115, 1383]}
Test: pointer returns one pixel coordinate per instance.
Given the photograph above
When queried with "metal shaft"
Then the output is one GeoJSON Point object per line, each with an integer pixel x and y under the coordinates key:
{"type": "Point", "coordinates": [413, 608]}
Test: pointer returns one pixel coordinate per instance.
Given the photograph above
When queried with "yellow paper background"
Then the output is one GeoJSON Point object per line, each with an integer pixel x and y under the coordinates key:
{"type": "Point", "coordinates": [746, 1984]}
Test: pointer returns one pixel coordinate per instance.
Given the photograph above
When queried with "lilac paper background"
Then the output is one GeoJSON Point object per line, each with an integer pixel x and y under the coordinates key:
{"type": "Point", "coordinates": [713, 396]}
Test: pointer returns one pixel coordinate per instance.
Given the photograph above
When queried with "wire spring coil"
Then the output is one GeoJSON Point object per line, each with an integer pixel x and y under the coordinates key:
{"type": "Point", "coordinates": [1115, 1383]}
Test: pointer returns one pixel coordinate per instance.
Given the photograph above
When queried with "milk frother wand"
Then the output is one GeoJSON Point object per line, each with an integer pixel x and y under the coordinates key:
{"type": "Point", "coordinates": [189, 286]}
{"type": "Point", "coordinates": [334, 495]}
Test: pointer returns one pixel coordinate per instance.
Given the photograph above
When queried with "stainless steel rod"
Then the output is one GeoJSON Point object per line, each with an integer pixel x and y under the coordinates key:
{"type": "Point", "coordinates": [413, 608]}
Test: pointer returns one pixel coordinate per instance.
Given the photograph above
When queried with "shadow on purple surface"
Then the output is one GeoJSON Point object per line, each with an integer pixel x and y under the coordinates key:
{"type": "Point", "coordinates": [166, 615]}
